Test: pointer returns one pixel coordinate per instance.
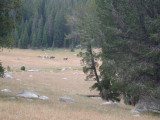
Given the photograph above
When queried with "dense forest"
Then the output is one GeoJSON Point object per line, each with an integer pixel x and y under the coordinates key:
{"type": "Point", "coordinates": [43, 24]}
{"type": "Point", "coordinates": [127, 33]}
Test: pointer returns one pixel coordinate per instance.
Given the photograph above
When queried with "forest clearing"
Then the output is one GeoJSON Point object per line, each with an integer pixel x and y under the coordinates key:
{"type": "Point", "coordinates": [54, 78]}
{"type": "Point", "coordinates": [80, 59]}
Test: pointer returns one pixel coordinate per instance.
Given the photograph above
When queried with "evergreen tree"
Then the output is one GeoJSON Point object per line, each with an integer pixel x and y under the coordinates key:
{"type": "Point", "coordinates": [130, 54]}
{"type": "Point", "coordinates": [51, 15]}
{"type": "Point", "coordinates": [34, 39]}
{"type": "Point", "coordinates": [16, 37]}
{"type": "Point", "coordinates": [44, 40]}
{"type": "Point", "coordinates": [24, 39]}
{"type": "Point", "coordinates": [9, 14]}
{"type": "Point", "coordinates": [59, 28]}
{"type": "Point", "coordinates": [85, 24]}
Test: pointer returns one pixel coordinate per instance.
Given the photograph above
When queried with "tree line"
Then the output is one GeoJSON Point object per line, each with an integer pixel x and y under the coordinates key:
{"type": "Point", "coordinates": [43, 24]}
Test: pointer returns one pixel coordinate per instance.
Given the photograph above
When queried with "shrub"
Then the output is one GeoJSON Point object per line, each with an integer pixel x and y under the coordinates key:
{"type": "Point", "coordinates": [8, 68]}
{"type": "Point", "coordinates": [23, 68]}
{"type": "Point", "coordinates": [1, 70]}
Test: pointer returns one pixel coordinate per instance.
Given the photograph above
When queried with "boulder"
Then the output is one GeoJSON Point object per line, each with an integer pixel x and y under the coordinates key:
{"type": "Point", "coordinates": [67, 99]}
{"type": "Point", "coordinates": [133, 111]}
{"type": "Point", "coordinates": [12, 98]}
{"type": "Point", "coordinates": [6, 90]}
{"type": "Point", "coordinates": [17, 58]}
{"type": "Point", "coordinates": [28, 94]}
{"type": "Point", "coordinates": [63, 69]}
{"type": "Point", "coordinates": [148, 104]}
{"type": "Point", "coordinates": [110, 103]}
{"type": "Point", "coordinates": [137, 115]}
{"type": "Point", "coordinates": [43, 98]}
{"type": "Point", "coordinates": [6, 75]}
{"type": "Point", "coordinates": [33, 70]}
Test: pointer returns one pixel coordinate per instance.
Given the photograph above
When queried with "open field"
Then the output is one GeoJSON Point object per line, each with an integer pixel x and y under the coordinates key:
{"type": "Point", "coordinates": [54, 82]}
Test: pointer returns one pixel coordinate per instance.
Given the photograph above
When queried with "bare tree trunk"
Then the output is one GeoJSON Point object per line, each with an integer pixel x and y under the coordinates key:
{"type": "Point", "coordinates": [94, 67]}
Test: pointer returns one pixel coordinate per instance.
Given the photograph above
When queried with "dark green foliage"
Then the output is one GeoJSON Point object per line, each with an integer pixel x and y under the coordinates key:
{"type": "Point", "coordinates": [128, 34]}
{"type": "Point", "coordinates": [130, 50]}
{"type": "Point", "coordinates": [43, 23]}
{"type": "Point", "coordinates": [72, 47]}
{"type": "Point", "coordinates": [9, 13]}
{"type": "Point", "coordinates": [23, 68]}
{"type": "Point", "coordinates": [1, 70]}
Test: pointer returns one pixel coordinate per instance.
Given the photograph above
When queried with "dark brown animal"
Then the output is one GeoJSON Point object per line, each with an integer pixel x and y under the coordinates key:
{"type": "Point", "coordinates": [52, 57]}
{"type": "Point", "coordinates": [65, 58]}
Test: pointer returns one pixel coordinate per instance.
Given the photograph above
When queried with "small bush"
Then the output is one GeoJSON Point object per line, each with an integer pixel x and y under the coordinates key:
{"type": "Point", "coordinates": [23, 68]}
{"type": "Point", "coordinates": [8, 68]}
{"type": "Point", "coordinates": [72, 47]}
{"type": "Point", "coordinates": [1, 70]}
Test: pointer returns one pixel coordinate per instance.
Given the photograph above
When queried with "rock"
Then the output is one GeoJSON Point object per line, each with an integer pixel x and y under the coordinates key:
{"type": "Point", "coordinates": [6, 90]}
{"type": "Point", "coordinates": [43, 98]}
{"type": "Point", "coordinates": [133, 111]}
{"type": "Point", "coordinates": [6, 75]}
{"type": "Point", "coordinates": [67, 99]}
{"type": "Point", "coordinates": [17, 58]}
{"type": "Point", "coordinates": [148, 104]}
{"type": "Point", "coordinates": [33, 70]}
{"type": "Point", "coordinates": [46, 56]}
{"type": "Point", "coordinates": [76, 73]}
{"type": "Point", "coordinates": [27, 94]}
{"type": "Point", "coordinates": [12, 98]}
{"type": "Point", "coordinates": [30, 76]}
{"type": "Point", "coordinates": [70, 68]}
{"type": "Point", "coordinates": [30, 100]}
{"type": "Point", "coordinates": [64, 78]}
{"type": "Point", "coordinates": [78, 46]}
{"type": "Point", "coordinates": [18, 79]}
{"type": "Point", "coordinates": [63, 69]}
{"type": "Point", "coordinates": [110, 103]}
{"type": "Point", "coordinates": [137, 115]}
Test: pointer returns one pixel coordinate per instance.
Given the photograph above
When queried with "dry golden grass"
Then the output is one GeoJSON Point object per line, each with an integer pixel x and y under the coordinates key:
{"type": "Point", "coordinates": [49, 81]}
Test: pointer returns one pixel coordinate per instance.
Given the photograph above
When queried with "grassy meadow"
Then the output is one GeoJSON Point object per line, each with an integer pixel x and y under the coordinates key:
{"type": "Point", "coordinates": [54, 81]}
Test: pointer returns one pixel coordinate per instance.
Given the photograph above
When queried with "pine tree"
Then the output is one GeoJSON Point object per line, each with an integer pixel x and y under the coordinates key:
{"type": "Point", "coordinates": [24, 39]}
{"type": "Point", "coordinates": [16, 37]}
{"type": "Point", "coordinates": [59, 28]}
{"type": "Point", "coordinates": [130, 55]}
{"type": "Point", "coordinates": [44, 40]}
